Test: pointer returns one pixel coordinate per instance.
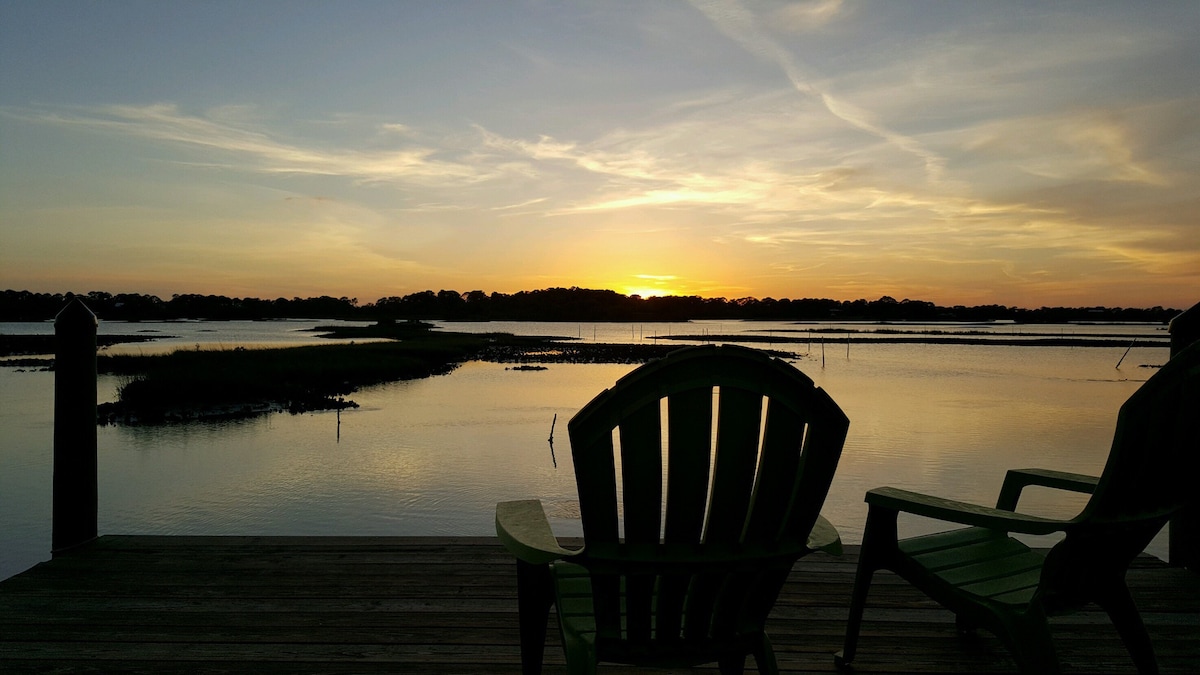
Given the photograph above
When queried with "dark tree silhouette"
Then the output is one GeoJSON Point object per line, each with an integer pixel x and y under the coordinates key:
{"type": "Point", "coordinates": [551, 304]}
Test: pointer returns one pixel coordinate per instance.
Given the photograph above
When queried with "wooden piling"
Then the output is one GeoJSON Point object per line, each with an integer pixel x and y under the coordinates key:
{"type": "Point", "coordinates": [74, 501]}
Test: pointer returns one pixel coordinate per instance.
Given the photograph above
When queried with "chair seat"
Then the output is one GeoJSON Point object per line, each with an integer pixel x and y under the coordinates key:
{"type": "Point", "coordinates": [573, 597]}
{"type": "Point", "coordinates": [992, 581]}
{"type": "Point", "coordinates": [975, 560]}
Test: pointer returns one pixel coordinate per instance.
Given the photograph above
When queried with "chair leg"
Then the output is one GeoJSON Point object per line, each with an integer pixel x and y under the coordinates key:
{"type": "Point", "coordinates": [1027, 637]}
{"type": "Point", "coordinates": [1128, 621]}
{"type": "Point", "coordinates": [858, 601]}
{"type": "Point", "coordinates": [879, 538]}
{"type": "Point", "coordinates": [764, 657]}
{"type": "Point", "coordinates": [535, 595]}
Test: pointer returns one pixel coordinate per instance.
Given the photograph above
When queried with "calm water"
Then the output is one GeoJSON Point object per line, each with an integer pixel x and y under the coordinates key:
{"type": "Point", "coordinates": [433, 456]}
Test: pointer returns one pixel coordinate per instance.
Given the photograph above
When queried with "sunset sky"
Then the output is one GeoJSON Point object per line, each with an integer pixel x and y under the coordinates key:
{"type": "Point", "coordinates": [1023, 154]}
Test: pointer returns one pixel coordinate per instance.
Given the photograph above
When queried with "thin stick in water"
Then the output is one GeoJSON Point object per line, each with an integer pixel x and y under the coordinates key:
{"type": "Point", "coordinates": [553, 459]}
{"type": "Point", "coordinates": [1131, 344]}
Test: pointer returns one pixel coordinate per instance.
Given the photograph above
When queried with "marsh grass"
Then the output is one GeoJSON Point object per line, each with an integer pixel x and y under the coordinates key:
{"type": "Point", "coordinates": [209, 384]}
{"type": "Point", "coordinates": [195, 384]}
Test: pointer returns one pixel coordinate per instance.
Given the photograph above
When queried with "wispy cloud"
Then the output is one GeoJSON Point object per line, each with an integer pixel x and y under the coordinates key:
{"type": "Point", "coordinates": [763, 186]}
{"type": "Point", "coordinates": [521, 205]}
{"type": "Point", "coordinates": [260, 150]}
{"type": "Point", "coordinates": [739, 24]}
{"type": "Point", "coordinates": [1089, 145]}
{"type": "Point", "coordinates": [810, 15]}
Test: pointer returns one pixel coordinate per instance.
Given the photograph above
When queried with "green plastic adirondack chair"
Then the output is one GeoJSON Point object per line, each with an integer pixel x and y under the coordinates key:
{"type": "Point", "coordinates": [992, 581]}
{"type": "Point", "coordinates": [693, 576]}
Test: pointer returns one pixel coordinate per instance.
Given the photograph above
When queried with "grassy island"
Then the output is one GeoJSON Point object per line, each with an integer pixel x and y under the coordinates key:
{"type": "Point", "coordinates": [228, 383]}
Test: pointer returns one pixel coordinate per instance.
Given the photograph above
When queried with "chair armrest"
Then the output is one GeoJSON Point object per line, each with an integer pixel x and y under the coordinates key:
{"type": "Point", "coordinates": [525, 531]}
{"type": "Point", "coordinates": [963, 513]}
{"type": "Point", "coordinates": [824, 537]}
{"type": "Point", "coordinates": [1017, 479]}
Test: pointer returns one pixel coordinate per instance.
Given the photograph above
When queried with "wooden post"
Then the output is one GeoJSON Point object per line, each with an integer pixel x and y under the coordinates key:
{"type": "Point", "coordinates": [74, 427]}
{"type": "Point", "coordinates": [1184, 546]}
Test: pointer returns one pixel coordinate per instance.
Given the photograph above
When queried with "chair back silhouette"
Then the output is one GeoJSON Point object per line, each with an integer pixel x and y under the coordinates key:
{"type": "Point", "coordinates": [716, 510]}
{"type": "Point", "coordinates": [994, 581]}
{"type": "Point", "coordinates": [1150, 474]}
{"type": "Point", "coordinates": [700, 477]}
{"type": "Point", "coordinates": [1154, 453]}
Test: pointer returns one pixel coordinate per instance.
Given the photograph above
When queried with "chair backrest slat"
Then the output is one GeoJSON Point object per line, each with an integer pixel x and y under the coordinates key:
{"type": "Point", "coordinates": [777, 473]}
{"type": "Point", "coordinates": [641, 474]}
{"type": "Point", "coordinates": [689, 436]}
{"type": "Point", "coordinates": [818, 462]}
{"type": "Point", "coordinates": [596, 482]}
{"type": "Point", "coordinates": [738, 422]}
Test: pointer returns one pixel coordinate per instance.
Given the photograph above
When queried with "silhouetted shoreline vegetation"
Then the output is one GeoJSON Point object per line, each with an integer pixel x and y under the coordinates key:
{"type": "Point", "coordinates": [188, 385]}
{"type": "Point", "coordinates": [927, 338]}
{"type": "Point", "coordinates": [228, 383]}
{"type": "Point", "coordinates": [551, 304]}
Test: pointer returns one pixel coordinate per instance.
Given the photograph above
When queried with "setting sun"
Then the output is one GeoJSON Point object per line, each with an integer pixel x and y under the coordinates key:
{"type": "Point", "coordinates": [649, 292]}
{"type": "Point", "coordinates": [651, 286]}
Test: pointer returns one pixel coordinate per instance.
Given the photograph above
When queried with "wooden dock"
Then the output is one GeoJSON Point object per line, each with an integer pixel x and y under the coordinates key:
{"type": "Point", "coordinates": [144, 604]}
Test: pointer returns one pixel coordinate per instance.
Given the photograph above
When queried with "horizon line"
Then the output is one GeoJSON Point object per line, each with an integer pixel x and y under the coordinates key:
{"type": "Point", "coordinates": [630, 296]}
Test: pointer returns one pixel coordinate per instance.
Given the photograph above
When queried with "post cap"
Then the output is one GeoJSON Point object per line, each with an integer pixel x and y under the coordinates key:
{"type": "Point", "coordinates": [75, 315]}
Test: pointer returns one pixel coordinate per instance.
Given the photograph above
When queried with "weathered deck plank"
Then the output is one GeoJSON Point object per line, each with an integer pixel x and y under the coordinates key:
{"type": "Point", "coordinates": [447, 605]}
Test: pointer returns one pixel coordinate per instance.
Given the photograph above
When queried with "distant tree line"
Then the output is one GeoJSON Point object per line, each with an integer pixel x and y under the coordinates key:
{"type": "Point", "coordinates": [551, 304]}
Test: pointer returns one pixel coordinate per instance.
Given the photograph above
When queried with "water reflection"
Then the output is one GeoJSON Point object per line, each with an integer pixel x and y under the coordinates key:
{"type": "Point", "coordinates": [442, 451]}
{"type": "Point", "coordinates": [953, 428]}
{"type": "Point", "coordinates": [433, 456]}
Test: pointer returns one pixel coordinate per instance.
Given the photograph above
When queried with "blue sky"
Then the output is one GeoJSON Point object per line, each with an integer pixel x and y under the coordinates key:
{"type": "Point", "coordinates": [960, 152]}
